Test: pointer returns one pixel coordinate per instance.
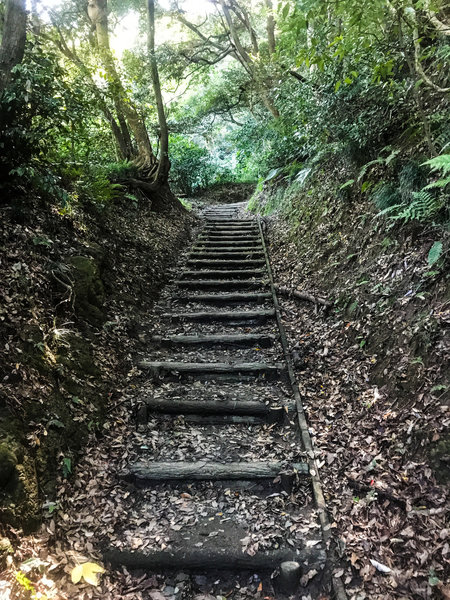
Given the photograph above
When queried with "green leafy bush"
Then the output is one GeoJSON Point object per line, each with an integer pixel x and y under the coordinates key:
{"type": "Point", "coordinates": [191, 166]}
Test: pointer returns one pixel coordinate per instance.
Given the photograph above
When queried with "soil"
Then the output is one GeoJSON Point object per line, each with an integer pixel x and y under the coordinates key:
{"type": "Point", "coordinates": [75, 286]}
{"type": "Point", "coordinates": [373, 374]}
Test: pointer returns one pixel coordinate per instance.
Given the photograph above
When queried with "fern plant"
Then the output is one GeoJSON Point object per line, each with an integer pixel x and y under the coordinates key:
{"type": "Point", "coordinates": [423, 207]}
{"type": "Point", "coordinates": [441, 164]}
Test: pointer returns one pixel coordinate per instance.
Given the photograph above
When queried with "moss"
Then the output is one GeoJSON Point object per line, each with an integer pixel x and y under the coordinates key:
{"type": "Point", "coordinates": [88, 289]}
{"type": "Point", "coordinates": [5, 549]}
{"type": "Point", "coordinates": [19, 497]}
{"type": "Point", "coordinates": [8, 464]}
{"type": "Point", "coordinates": [75, 353]}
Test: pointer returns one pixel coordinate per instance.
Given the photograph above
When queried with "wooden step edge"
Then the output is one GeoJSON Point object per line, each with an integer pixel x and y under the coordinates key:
{"type": "Point", "coordinates": [159, 367]}
{"type": "Point", "coordinates": [236, 340]}
{"type": "Point", "coordinates": [224, 254]}
{"type": "Point", "coordinates": [225, 263]}
{"type": "Point", "coordinates": [226, 559]}
{"type": "Point", "coordinates": [183, 406]}
{"type": "Point", "coordinates": [220, 283]}
{"type": "Point", "coordinates": [223, 274]}
{"type": "Point", "coordinates": [253, 297]}
{"type": "Point", "coordinates": [203, 470]}
{"type": "Point", "coordinates": [221, 315]}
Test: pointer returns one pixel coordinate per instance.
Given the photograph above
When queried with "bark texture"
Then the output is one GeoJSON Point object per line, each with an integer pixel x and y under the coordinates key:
{"type": "Point", "coordinates": [13, 41]}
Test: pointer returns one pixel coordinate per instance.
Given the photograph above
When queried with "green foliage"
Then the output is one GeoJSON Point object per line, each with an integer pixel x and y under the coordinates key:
{"type": "Point", "coordinates": [441, 164]}
{"type": "Point", "coordinates": [386, 195]}
{"type": "Point", "coordinates": [423, 207]}
{"type": "Point", "coordinates": [434, 254]}
{"type": "Point", "coordinates": [191, 169]}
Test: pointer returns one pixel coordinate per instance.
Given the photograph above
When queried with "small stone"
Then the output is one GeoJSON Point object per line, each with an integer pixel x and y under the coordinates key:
{"type": "Point", "coordinates": [200, 580]}
{"type": "Point", "coordinates": [5, 550]}
{"type": "Point", "coordinates": [182, 577]}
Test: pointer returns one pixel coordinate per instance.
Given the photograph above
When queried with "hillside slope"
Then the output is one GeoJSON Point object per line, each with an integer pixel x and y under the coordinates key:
{"type": "Point", "coordinates": [373, 374]}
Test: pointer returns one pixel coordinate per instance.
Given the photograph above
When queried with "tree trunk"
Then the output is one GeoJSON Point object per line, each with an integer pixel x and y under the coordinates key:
{"type": "Point", "coordinates": [270, 27]}
{"type": "Point", "coordinates": [13, 41]}
{"type": "Point", "coordinates": [98, 14]}
{"type": "Point", "coordinates": [164, 164]}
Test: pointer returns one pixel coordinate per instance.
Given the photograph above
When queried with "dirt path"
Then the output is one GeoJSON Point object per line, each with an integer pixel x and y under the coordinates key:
{"type": "Point", "coordinates": [214, 492]}
{"type": "Point", "coordinates": [222, 484]}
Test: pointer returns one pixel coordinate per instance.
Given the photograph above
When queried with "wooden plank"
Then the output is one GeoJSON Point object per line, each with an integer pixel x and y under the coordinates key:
{"type": "Point", "coordinates": [250, 262]}
{"type": "Point", "coordinates": [228, 236]}
{"type": "Point", "coordinates": [223, 274]}
{"type": "Point", "coordinates": [220, 284]}
{"type": "Point", "coordinates": [183, 406]}
{"type": "Point", "coordinates": [241, 340]}
{"type": "Point", "coordinates": [203, 470]}
{"type": "Point", "coordinates": [237, 297]}
{"type": "Point", "coordinates": [214, 251]}
{"type": "Point", "coordinates": [219, 559]}
{"type": "Point", "coordinates": [157, 368]}
{"type": "Point", "coordinates": [226, 315]}
{"type": "Point", "coordinates": [226, 254]}
{"type": "Point", "coordinates": [220, 243]}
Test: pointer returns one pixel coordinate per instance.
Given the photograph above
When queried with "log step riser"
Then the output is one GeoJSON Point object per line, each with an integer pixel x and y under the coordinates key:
{"type": "Point", "coordinates": [234, 316]}
{"type": "Point", "coordinates": [237, 298]}
{"type": "Point", "coordinates": [225, 274]}
{"type": "Point", "coordinates": [221, 285]}
{"type": "Point", "coordinates": [207, 341]}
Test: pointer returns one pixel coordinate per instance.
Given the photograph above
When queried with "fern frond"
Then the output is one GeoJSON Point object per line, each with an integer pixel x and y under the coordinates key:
{"type": "Point", "coordinates": [439, 163]}
{"type": "Point", "coordinates": [440, 183]}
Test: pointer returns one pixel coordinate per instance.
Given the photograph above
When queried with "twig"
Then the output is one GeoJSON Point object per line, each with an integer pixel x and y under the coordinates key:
{"type": "Point", "coordinates": [361, 487]}
{"type": "Point", "coordinates": [303, 296]}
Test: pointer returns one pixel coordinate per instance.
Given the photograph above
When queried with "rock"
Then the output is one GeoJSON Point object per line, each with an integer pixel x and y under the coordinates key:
{"type": "Point", "coordinates": [8, 464]}
{"type": "Point", "coordinates": [5, 550]}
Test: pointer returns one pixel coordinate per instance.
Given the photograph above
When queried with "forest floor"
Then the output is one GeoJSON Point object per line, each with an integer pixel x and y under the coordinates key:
{"type": "Point", "coordinates": [379, 415]}
{"type": "Point", "coordinates": [385, 491]}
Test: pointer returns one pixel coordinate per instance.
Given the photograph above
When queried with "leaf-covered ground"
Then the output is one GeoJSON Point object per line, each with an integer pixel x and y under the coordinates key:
{"type": "Point", "coordinates": [378, 412]}
{"type": "Point", "coordinates": [378, 417]}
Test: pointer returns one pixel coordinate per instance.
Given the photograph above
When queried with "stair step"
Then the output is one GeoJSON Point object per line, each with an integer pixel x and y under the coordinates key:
{"type": "Point", "coordinates": [226, 315]}
{"type": "Point", "coordinates": [213, 284]}
{"type": "Point", "coordinates": [240, 340]}
{"type": "Point", "coordinates": [232, 225]}
{"type": "Point", "coordinates": [223, 274]}
{"type": "Point", "coordinates": [211, 237]}
{"type": "Point", "coordinates": [224, 220]}
{"type": "Point", "coordinates": [226, 263]}
{"type": "Point", "coordinates": [216, 555]}
{"type": "Point", "coordinates": [159, 368]}
{"type": "Point", "coordinates": [222, 254]}
{"type": "Point", "coordinates": [238, 297]}
{"type": "Point", "coordinates": [220, 243]}
{"type": "Point", "coordinates": [216, 230]}
{"type": "Point", "coordinates": [183, 406]}
{"type": "Point", "coordinates": [203, 470]}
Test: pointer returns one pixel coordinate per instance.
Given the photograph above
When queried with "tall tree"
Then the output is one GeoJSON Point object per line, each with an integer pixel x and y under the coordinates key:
{"type": "Point", "coordinates": [240, 39]}
{"type": "Point", "coordinates": [13, 39]}
{"type": "Point", "coordinates": [164, 164]}
{"type": "Point", "coordinates": [128, 116]}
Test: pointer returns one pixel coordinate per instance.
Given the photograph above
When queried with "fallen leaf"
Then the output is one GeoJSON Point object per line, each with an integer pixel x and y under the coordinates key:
{"type": "Point", "coordinates": [88, 571]}
{"type": "Point", "coordinates": [380, 567]}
